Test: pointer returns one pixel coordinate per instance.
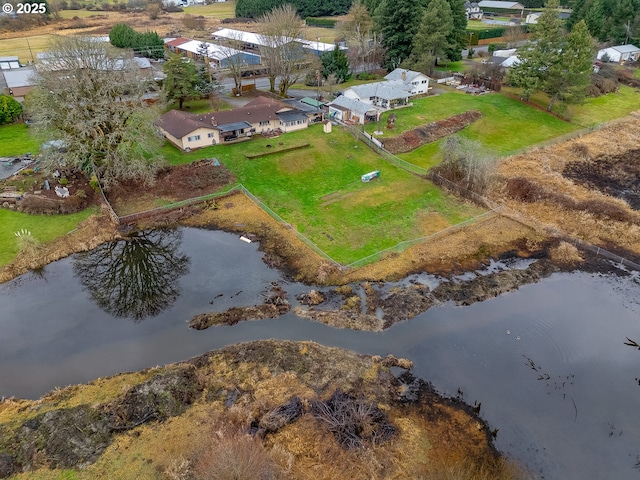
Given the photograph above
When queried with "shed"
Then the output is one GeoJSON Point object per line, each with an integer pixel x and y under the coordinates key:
{"type": "Point", "coordinates": [8, 63]}
{"type": "Point", "coordinates": [620, 53]}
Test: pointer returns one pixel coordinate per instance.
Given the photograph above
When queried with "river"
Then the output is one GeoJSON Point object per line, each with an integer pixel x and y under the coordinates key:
{"type": "Point", "coordinates": [548, 362]}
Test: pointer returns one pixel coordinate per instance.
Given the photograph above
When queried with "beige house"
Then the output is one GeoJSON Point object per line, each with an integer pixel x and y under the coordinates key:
{"type": "Point", "coordinates": [262, 115]}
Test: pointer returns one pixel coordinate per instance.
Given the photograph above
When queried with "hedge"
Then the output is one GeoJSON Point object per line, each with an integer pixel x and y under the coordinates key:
{"type": "Point", "coordinates": [321, 22]}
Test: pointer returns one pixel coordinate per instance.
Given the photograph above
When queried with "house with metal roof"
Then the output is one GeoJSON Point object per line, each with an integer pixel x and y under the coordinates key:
{"type": "Point", "coordinates": [620, 53]}
{"type": "Point", "coordinates": [496, 5]}
{"type": "Point", "coordinates": [262, 115]}
{"type": "Point", "coordinates": [219, 56]}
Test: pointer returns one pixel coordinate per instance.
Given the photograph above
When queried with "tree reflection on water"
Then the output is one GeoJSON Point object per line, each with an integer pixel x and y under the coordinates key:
{"type": "Point", "coordinates": [136, 277]}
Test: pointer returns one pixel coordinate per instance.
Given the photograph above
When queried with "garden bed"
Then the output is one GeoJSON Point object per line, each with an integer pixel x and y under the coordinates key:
{"type": "Point", "coordinates": [430, 132]}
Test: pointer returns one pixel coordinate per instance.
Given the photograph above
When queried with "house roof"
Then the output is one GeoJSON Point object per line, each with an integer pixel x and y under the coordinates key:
{"type": "Point", "coordinates": [500, 4]}
{"type": "Point", "coordinates": [319, 46]}
{"type": "Point", "coordinates": [246, 37]}
{"type": "Point", "coordinates": [626, 48]}
{"type": "Point", "coordinates": [179, 124]}
{"type": "Point", "coordinates": [177, 41]}
{"type": "Point", "coordinates": [384, 90]}
{"type": "Point", "coordinates": [260, 109]}
{"type": "Point", "coordinates": [215, 51]}
{"type": "Point", "coordinates": [19, 77]}
{"type": "Point", "coordinates": [398, 72]}
{"type": "Point", "coordinates": [352, 104]}
{"type": "Point", "coordinates": [292, 116]}
{"type": "Point", "coordinates": [302, 106]}
{"type": "Point", "coordinates": [312, 101]}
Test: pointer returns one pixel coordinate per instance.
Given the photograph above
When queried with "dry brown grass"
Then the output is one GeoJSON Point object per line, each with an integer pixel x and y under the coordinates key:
{"type": "Point", "coordinates": [565, 254]}
{"type": "Point", "coordinates": [587, 214]}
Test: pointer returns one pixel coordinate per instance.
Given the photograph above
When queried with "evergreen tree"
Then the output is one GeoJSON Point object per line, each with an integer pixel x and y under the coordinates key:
{"type": "Point", "coordinates": [398, 21]}
{"type": "Point", "coordinates": [10, 109]}
{"type": "Point", "coordinates": [457, 38]}
{"type": "Point", "coordinates": [182, 79]}
{"type": "Point", "coordinates": [336, 63]}
{"type": "Point", "coordinates": [537, 56]}
{"type": "Point", "coordinates": [557, 65]}
{"type": "Point", "coordinates": [569, 78]}
{"type": "Point", "coordinates": [594, 18]}
{"type": "Point", "coordinates": [433, 39]}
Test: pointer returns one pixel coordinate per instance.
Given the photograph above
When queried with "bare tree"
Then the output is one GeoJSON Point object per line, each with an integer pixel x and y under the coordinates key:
{"type": "Point", "coordinates": [233, 59]}
{"type": "Point", "coordinates": [92, 100]}
{"type": "Point", "coordinates": [514, 35]}
{"type": "Point", "coordinates": [356, 28]}
{"type": "Point", "coordinates": [282, 55]}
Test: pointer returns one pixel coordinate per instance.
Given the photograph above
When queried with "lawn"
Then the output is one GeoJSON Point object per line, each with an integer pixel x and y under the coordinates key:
{"type": "Point", "coordinates": [25, 47]}
{"type": "Point", "coordinates": [507, 125]}
{"type": "Point", "coordinates": [16, 140]}
{"type": "Point", "coordinates": [43, 228]}
{"type": "Point", "coordinates": [318, 190]}
{"type": "Point", "coordinates": [217, 9]}
{"type": "Point", "coordinates": [594, 111]}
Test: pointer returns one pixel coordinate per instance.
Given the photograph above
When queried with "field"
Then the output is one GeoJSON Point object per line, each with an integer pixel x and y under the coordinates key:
{"type": "Point", "coordinates": [507, 125]}
{"type": "Point", "coordinates": [42, 227]}
{"type": "Point", "coordinates": [318, 190]}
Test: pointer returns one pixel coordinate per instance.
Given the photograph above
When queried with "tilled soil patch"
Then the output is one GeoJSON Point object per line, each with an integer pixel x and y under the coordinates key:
{"type": "Point", "coordinates": [430, 132]}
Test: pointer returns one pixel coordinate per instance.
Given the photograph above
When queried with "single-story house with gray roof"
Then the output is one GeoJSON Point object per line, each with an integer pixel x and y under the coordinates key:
{"type": "Point", "coordinates": [381, 94]}
{"type": "Point", "coordinates": [19, 81]}
{"type": "Point", "coordinates": [620, 53]}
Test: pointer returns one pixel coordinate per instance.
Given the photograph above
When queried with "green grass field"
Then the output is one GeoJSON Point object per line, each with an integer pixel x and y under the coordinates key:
{"type": "Point", "coordinates": [318, 190]}
{"type": "Point", "coordinates": [26, 47]}
{"type": "Point", "coordinates": [507, 125]}
{"type": "Point", "coordinates": [218, 10]}
{"type": "Point", "coordinates": [16, 140]}
{"type": "Point", "coordinates": [43, 228]}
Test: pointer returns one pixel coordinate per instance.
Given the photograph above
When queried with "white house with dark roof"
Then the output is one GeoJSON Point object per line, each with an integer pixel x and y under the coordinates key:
{"type": "Point", "coordinates": [620, 53]}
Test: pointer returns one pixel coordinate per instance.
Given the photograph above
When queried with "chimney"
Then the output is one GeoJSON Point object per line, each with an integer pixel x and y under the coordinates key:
{"type": "Point", "coordinates": [404, 75]}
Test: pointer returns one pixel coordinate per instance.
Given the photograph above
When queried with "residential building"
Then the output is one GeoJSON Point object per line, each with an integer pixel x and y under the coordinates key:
{"type": "Point", "coordinates": [262, 115]}
{"type": "Point", "coordinates": [620, 53]}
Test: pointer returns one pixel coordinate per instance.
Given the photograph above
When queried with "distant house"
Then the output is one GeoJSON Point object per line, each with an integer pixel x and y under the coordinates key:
{"type": "Point", "coordinates": [473, 11]}
{"type": "Point", "coordinates": [189, 131]}
{"type": "Point", "coordinates": [533, 17]}
{"type": "Point", "coordinates": [352, 111]}
{"type": "Point", "coordinates": [311, 107]}
{"type": "Point", "coordinates": [501, 6]}
{"type": "Point", "coordinates": [19, 81]}
{"type": "Point", "coordinates": [620, 53]}
{"type": "Point", "coordinates": [416, 83]}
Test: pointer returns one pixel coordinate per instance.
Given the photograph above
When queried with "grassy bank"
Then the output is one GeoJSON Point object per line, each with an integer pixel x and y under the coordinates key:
{"type": "Point", "coordinates": [43, 228]}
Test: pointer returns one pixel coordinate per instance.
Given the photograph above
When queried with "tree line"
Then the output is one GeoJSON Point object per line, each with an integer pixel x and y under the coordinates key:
{"type": "Point", "coordinates": [147, 43]}
{"type": "Point", "coordinates": [615, 21]}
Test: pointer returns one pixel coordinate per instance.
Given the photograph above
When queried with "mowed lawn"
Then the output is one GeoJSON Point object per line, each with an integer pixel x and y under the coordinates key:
{"type": "Point", "coordinates": [318, 190]}
{"type": "Point", "coordinates": [506, 126]}
{"type": "Point", "coordinates": [43, 228]}
{"type": "Point", "coordinates": [16, 140]}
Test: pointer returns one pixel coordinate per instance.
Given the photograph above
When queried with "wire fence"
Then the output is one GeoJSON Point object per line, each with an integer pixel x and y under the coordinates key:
{"type": "Point", "coordinates": [493, 207]}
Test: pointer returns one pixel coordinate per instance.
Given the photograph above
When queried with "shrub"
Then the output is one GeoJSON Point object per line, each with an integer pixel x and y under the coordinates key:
{"type": "Point", "coordinates": [94, 183]}
{"type": "Point", "coordinates": [63, 181]}
{"type": "Point", "coordinates": [466, 163]}
{"type": "Point", "coordinates": [524, 190]}
{"type": "Point", "coordinates": [234, 455]}
{"type": "Point", "coordinates": [193, 22]}
{"type": "Point", "coordinates": [81, 194]}
{"type": "Point", "coordinates": [366, 76]}
{"type": "Point", "coordinates": [354, 422]}
{"type": "Point", "coordinates": [26, 172]}
{"type": "Point", "coordinates": [565, 254]}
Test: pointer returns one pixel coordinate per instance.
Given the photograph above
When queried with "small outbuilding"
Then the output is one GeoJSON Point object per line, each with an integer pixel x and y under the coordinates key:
{"type": "Point", "coordinates": [620, 53]}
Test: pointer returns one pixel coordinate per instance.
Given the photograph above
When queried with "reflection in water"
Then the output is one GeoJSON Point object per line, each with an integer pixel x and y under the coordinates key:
{"type": "Point", "coordinates": [136, 277]}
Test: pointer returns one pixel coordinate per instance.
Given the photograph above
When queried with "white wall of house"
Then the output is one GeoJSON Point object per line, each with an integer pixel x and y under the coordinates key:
{"type": "Point", "coordinates": [294, 125]}
{"type": "Point", "coordinates": [202, 137]}
{"type": "Point", "coordinates": [420, 85]}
